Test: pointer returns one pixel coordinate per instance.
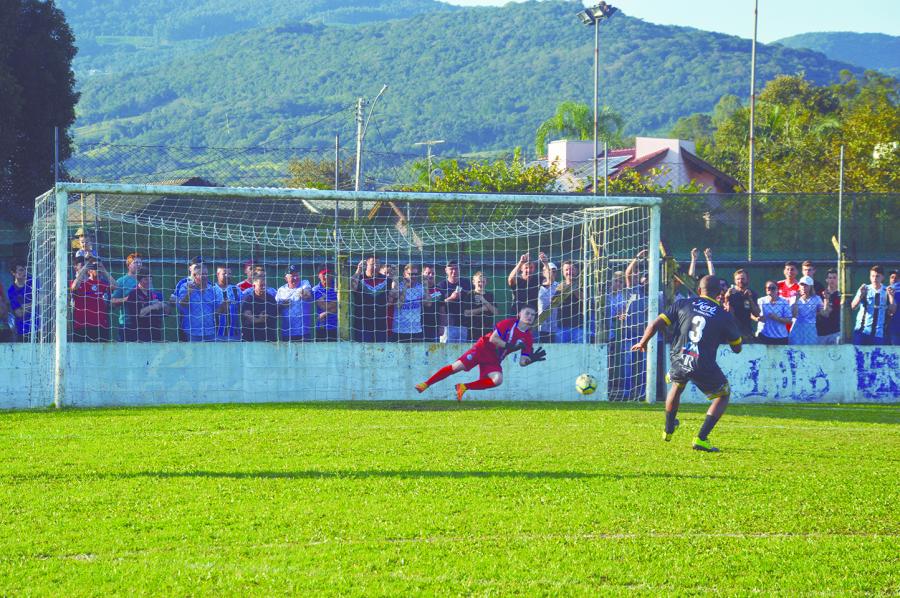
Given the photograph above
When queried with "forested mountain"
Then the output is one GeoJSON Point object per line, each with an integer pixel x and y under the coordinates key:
{"type": "Point", "coordinates": [875, 51]}
{"type": "Point", "coordinates": [480, 78]}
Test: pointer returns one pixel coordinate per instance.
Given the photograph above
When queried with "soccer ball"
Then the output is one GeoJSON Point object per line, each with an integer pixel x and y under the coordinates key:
{"type": "Point", "coordinates": [586, 384]}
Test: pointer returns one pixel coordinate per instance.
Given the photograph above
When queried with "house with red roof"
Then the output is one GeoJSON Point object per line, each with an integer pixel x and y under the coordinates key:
{"type": "Point", "coordinates": [665, 161]}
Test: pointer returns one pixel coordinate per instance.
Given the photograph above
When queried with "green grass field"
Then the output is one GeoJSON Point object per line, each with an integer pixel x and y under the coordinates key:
{"type": "Point", "coordinates": [440, 498]}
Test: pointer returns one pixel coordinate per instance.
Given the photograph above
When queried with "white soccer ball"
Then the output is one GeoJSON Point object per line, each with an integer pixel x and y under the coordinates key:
{"type": "Point", "coordinates": [586, 384]}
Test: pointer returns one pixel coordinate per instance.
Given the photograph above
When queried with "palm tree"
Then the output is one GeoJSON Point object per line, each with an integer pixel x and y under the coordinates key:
{"type": "Point", "coordinates": [574, 120]}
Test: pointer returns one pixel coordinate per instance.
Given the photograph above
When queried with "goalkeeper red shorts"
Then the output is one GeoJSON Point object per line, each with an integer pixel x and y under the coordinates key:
{"type": "Point", "coordinates": [484, 357]}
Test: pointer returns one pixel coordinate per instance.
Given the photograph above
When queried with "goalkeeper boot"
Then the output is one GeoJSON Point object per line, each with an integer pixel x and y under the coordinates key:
{"type": "Point", "coordinates": [421, 386]}
{"type": "Point", "coordinates": [667, 436]}
{"type": "Point", "coordinates": [460, 391]}
{"type": "Point", "coordinates": [704, 445]}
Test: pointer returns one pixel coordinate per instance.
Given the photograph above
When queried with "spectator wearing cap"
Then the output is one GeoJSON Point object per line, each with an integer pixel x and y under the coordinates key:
{"type": "Point", "coordinates": [295, 298]}
{"type": "Point", "coordinates": [259, 312]}
{"type": "Point", "coordinates": [408, 297]}
{"type": "Point", "coordinates": [805, 311]}
{"type": "Point", "coordinates": [228, 323]}
{"type": "Point", "coordinates": [571, 316]}
{"type": "Point", "coordinates": [774, 316]}
{"type": "Point", "coordinates": [525, 282]}
{"type": "Point", "coordinates": [21, 297]}
{"type": "Point", "coordinates": [124, 285]}
{"type": "Point", "coordinates": [370, 298]}
{"type": "Point", "coordinates": [482, 311]}
{"type": "Point", "coordinates": [893, 334]}
{"type": "Point", "coordinates": [198, 303]}
{"type": "Point", "coordinates": [433, 311]}
{"type": "Point", "coordinates": [144, 311]}
{"type": "Point", "coordinates": [547, 326]}
{"type": "Point", "coordinates": [326, 299]}
{"type": "Point", "coordinates": [828, 327]}
{"type": "Point", "coordinates": [90, 291]}
{"type": "Point", "coordinates": [875, 302]}
{"type": "Point", "coordinates": [742, 303]}
{"type": "Point", "coordinates": [455, 293]}
{"type": "Point", "coordinates": [85, 243]}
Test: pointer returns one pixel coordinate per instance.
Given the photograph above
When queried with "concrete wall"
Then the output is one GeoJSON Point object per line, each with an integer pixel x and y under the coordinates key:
{"type": "Point", "coordinates": [814, 374]}
{"type": "Point", "coordinates": [172, 373]}
{"type": "Point", "coordinates": [178, 373]}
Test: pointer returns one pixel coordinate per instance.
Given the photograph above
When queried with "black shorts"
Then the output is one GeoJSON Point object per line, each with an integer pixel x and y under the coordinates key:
{"type": "Point", "coordinates": [712, 383]}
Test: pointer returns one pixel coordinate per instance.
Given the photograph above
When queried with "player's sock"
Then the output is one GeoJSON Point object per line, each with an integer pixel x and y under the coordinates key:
{"type": "Point", "coordinates": [440, 375]}
{"type": "Point", "coordinates": [482, 384]}
{"type": "Point", "coordinates": [708, 424]}
{"type": "Point", "coordinates": [670, 422]}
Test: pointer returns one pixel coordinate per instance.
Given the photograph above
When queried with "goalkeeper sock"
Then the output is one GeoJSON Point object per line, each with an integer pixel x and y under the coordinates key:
{"type": "Point", "coordinates": [440, 375]}
{"type": "Point", "coordinates": [482, 384]}
{"type": "Point", "coordinates": [670, 422]}
{"type": "Point", "coordinates": [708, 424]}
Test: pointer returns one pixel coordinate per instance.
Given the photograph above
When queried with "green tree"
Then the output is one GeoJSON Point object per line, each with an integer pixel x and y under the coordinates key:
{"type": "Point", "coordinates": [37, 93]}
{"type": "Point", "coordinates": [697, 128]}
{"type": "Point", "coordinates": [499, 176]}
{"type": "Point", "coordinates": [576, 121]}
{"type": "Point", "coordinates": [309, 173]}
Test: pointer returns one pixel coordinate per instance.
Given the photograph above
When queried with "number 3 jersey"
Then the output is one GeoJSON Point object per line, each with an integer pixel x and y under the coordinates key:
{"type": "Point", "coordinates": [699, 326]}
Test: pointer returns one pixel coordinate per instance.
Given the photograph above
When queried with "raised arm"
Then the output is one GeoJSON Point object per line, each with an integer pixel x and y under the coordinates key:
{"type": "Point", "coordinates": [511, 279]}
{"type": "Point", "coordinates": [632, 266]}
{"type": "Point", "coordinates": [707, 253]}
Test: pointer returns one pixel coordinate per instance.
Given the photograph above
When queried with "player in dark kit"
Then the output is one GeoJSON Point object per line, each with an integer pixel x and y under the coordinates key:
{"type": "Point", "coordinates": [509, 335]}
{"type": "Point", "coordinates": [700, 325]}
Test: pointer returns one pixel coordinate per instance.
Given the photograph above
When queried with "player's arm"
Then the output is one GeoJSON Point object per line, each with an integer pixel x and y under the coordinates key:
{"type": "Point", "coordinates": [655, 326]}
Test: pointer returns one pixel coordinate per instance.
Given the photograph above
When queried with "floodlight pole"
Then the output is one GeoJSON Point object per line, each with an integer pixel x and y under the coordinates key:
{"type": "Point", "coordinates": [596, 94]}
{"type": "Point", "coordinates": [751, 172]}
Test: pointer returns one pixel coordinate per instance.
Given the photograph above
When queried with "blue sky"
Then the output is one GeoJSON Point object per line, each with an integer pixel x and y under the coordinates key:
{"type": "Point", "coordinates": [777, 18]}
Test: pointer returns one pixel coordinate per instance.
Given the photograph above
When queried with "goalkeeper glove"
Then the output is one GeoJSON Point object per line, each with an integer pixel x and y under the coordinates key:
{"type": "Point", "coordinates": [538, 355]}
{"type": "Point", "coordinates": [518, 345]}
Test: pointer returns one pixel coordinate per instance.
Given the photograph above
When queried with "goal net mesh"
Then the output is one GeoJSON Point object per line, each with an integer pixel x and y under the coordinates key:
{"type": "Point", "coordinates": [181, 266]}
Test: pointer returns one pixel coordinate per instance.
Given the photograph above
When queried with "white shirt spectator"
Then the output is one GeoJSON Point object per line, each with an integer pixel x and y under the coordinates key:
{"type": "Point", "coordinates": [296, 309]}
{"type": "Point", "coordinates": [408, 315]}
{"type": "Point", "coordinates": [545, 296]}
{"type": "Point", "coordinates": [780, 307]}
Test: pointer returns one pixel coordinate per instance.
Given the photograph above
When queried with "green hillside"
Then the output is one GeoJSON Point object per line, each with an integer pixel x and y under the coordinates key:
{"type": "Point", "coordinates": [480, 78]}
{"type": "Point", "coordinates": [875, 51]}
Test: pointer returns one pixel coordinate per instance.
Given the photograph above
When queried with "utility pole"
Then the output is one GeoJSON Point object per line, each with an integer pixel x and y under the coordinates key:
{"type": "Point", "coordinates": [752, 134]}
{"type": "Point", "coordinates": [428, 144]}
{"type": "Point", "coordinates": [337, 161]}
{"type": "Point", "coordinates": [361, 126]}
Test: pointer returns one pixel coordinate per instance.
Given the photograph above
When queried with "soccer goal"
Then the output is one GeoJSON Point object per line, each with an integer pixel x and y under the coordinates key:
{"type": "Point", "coordinates": [149, 294]}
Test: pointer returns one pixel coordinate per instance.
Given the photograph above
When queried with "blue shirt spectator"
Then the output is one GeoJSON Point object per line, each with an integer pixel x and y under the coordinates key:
{"type": "Point", "coordinates": [326, 298]}
{"type": "Point", "coordinates": [875, 302]}
{"type": "Point", "coordinates": [228, 323]}
{"type": "Point", "coordinates": [295, 300]}
{"type": "Point", "coordinates": [21, 300]}
{"type": "Point", "coordinates": [198, 304]}
{"type": "Point", "coordinates": [774, 315]}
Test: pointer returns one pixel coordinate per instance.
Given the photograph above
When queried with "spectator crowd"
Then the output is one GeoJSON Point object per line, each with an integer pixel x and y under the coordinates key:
{"type": "Point", "coordinates": [431, 303]}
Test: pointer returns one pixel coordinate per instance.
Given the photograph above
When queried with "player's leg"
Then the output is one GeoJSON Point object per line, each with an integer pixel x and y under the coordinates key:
{"type": "Point", "coordinates": [719, 397]}
{"type": "Point", "coordinates": [673, 400]}
{"type": "Point", "coordinates": [487, 380]}
{"type": "Point", "coordinates": [444, 372]}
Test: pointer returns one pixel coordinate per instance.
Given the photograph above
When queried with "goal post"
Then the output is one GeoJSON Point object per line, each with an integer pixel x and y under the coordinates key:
{"type": "Point", "coordinates": [304, 248]}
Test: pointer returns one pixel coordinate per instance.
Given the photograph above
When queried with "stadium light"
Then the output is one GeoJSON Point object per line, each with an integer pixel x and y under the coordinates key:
{"type": "Point", "coordinates": [593, 16]}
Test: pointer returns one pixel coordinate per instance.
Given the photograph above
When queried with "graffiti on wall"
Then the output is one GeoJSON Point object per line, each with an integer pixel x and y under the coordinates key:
{"type": "Point", "coordinates": [878, 374]}
{"type": "Point", "coordinates": [795, 377]}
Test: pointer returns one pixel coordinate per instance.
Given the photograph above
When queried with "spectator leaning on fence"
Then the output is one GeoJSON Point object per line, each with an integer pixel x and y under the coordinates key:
{"type": "Point", "coordinates": [295, 298]}
{"type": "Point", "coordinates": [482, 312]}
{"type": "Point", "coordinates": [228, 322]}
{"type": "Point", "coordinates": [90, 292]}
{"type": "Point", "coordinates": [259, 312]}
{"type": "Point", "coordinates": [828, 327]}
{"type": "Point", "coordinates": [21, 296]}
{"type": "Point", "coordinates": [875, 303]}
{"type": "Point", "coordinates": [434, 311]}
{"type": "Point", "coordinates": [570, 327]}
{"type": "Point", "coordinates": [455, 296]}
{"type": "Point", "coordinates": [525, 282]}
{"type": "Point", "coordinates": [894, 324]}
{"type": "Point", "coordinates": [124, 285]}
{"type": "Point", "coordinates": [408, 297]}
{"type": "Point", "coordinates": [805, 311]}
{"type": "Point", "coordinates": [144, 311]}
{"type": "Point", "coordinates": [370, 292]}
{"type": "Point", "coordinates": [742, 303]}
{"type": "Point", "coordinates": [547, 328]}
{"type": "Point", "coordinates": [326, 299]}
{"type": "Point", "coordinates": [774, 316]}
{"type": "Point", "coordinates": [198, 303]}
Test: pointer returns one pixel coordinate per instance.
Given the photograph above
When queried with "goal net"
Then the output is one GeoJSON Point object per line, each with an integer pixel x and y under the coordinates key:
{"type": "Point", "coordinates": [204, 294]}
